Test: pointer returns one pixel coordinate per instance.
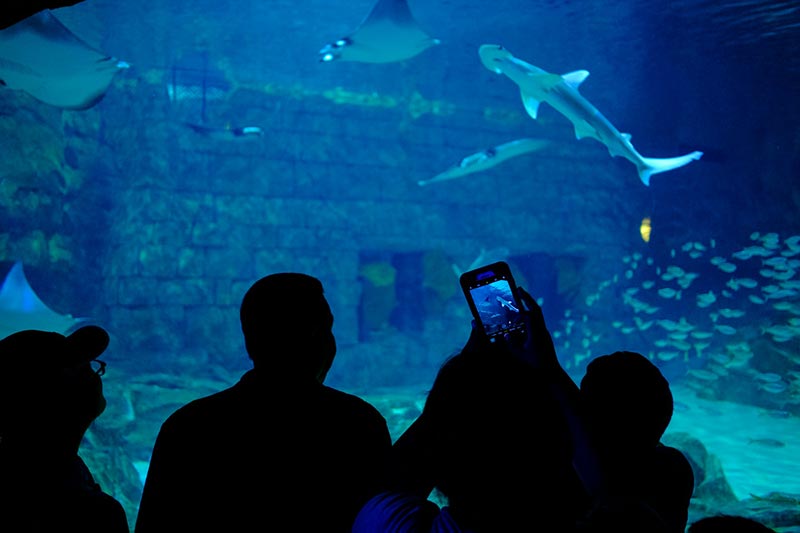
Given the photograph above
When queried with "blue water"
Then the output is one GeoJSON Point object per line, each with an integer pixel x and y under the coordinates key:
{"type": "Point", "coordinates": [125, 215]}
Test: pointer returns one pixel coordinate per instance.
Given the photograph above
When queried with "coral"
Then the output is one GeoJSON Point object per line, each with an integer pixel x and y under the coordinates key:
{"type": "Point", "coordinates": [341, 96]}
{"type": "Point", "coordinates": [378, 274]}
{"type": "Point", "coordinates": [59, 248]}
{"type": "Point", "coordinates": [418, 106]}
{"type": "Point", "coordinates": [438, 275]}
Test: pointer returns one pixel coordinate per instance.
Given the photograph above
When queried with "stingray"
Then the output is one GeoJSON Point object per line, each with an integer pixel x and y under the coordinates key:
{"type": "Point", "coordinates": [21, 308]}
{"type": "Point", "coordinates": [43, 58]}
{"type": "Point", "coordinates": [389, 33]}
{"type": "Point", "coordinates": [488, 158]}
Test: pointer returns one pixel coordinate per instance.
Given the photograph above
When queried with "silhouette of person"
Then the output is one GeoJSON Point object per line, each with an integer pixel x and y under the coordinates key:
{"type": "Point", "coordinates": [50, 393]}
{"type": "Point", "coordinates": [278, 448]}
{"type": "Point", "coordinates": [627, 404]}
{"type": "Point", "coordinates": [728, 524]}
{"type": "Point", "coordinates": [492, 440]}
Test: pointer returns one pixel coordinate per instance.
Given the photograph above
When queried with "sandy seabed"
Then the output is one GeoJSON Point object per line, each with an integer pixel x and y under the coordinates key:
{"type": "Point", "coordinates": [759, 452]}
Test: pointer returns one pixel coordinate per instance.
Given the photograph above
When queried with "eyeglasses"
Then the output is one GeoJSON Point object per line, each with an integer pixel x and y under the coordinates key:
{"type": "Point", "coordinates": [98, 366]}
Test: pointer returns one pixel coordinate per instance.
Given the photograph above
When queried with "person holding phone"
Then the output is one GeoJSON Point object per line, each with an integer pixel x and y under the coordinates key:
{"type": "Point", "coordinates": [491, 439]}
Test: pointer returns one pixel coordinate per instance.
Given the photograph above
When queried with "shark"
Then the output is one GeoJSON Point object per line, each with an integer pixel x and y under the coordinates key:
{"type": "Point", "coordinates": [488, 158]}
{"type": "Point", "coordinates": [388, 34]}
{"type": "Point", "coordinates": [561, 92]}
{"type": "Point", "coordinates": [22, 309]}
{"type": "Point", "coordinates": [42, 57]}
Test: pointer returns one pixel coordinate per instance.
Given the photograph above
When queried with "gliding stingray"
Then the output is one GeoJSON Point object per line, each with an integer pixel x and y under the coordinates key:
{"type": "Point", "coordinates": [40, 56]}
{"type": "Point", "coordinates": [485, 159]}
{"type": "Point", "coordinates": [388, 34]}
{"type": "Point", "coordinates": [21, 308]}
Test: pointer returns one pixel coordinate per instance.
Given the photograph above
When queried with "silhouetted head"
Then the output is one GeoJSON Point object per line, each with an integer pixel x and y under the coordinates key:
{"type": "Point", "coordinates": [288, 326]}
{"type": "Point", "coordinates": [728, 524]}
{"type": "Point", "coordinates": [50, 383]}
{"type": "Point", "coordinates": [628, 400]}
{"type": "Point", "coordinates": [500, 444]}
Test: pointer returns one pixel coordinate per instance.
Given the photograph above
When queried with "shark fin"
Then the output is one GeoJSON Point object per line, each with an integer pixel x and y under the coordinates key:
{"type": "Point", "coordinates": [626, 136]}
{"type": "Point", "coordinates": [653, 165]}
{"type": "Point", "coordinates": [575, 78]}
{"type": "Point", "coordinates": [531, 104]}
{"type": "Point", "coordinates": [584, 129]}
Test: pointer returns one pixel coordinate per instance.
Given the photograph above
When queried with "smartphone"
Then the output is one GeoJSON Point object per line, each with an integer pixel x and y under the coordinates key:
{"type": "Point", "coordinates": [492, 297]}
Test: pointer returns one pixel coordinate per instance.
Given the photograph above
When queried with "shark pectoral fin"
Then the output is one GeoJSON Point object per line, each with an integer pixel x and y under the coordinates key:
{"type": "Point", "coordinates": [584, 129]}
{"type": "Point", "coordinates": [574, 79]}
{"type": "Point", "coordinates": [531, 104]}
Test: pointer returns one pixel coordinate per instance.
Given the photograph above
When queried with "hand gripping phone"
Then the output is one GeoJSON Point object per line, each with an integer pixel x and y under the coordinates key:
{"type": "Point", "coordinates": [492, 297]}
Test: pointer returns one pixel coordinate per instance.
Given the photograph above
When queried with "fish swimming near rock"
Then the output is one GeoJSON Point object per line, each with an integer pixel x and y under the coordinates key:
{"type": "Point", "coordinates": [21, 308]}
{"type": "Point", "coordinates": [389, 33]}
{"type": "Point", "coordinates": [488, 158]}
{"type": "Point", "coordinates": [226, 133]}
{"type": "Point", "coordinates": [561, 92]}
{"type": "Point", "coordinates": [43, 58]}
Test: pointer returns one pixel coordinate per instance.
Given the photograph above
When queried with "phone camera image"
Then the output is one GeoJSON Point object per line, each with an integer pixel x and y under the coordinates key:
{"type": "Point", "coordinates": [496, 308]}
{"type": "Point", "coordinates": [490, 292]}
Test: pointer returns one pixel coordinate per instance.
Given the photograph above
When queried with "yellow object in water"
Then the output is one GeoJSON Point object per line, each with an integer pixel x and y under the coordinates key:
{"type": "Point", "coordinates": [644, 229]}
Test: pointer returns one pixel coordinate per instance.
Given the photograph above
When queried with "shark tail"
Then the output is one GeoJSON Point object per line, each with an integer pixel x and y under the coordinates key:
{"type": "Point", "coordinates": [654, 165]}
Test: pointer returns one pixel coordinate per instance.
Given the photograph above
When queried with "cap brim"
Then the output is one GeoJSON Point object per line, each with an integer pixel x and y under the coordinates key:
{"type": "Point", "coordinates": [87, 343]}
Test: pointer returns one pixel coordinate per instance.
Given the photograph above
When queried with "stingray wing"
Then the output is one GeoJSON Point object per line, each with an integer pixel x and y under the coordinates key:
{"type": "Point", "coordinates": [40, 56]}
{"type": "Point", "coordinates": [389, 33]}
{"type": "Point", "coordinates": [21, 308]}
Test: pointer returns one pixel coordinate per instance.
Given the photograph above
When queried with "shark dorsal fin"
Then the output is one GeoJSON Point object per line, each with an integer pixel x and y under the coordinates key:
{"type": "Point", "coordinates": [626, 136]}
{"type": "Point", "coordinates": [531, 104]}
{"type": "Point", "coordinates": [575, 78]}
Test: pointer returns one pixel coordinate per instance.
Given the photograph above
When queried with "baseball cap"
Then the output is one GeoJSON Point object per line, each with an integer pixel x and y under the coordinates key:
{"type": "Point", "coordinates": [47, 351]}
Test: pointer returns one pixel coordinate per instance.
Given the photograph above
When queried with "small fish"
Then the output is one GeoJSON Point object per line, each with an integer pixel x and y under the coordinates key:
{"type": "Point", "coordinates": [226, 133]}
{"type": "Point", "coordinates": [774, 388]}
{"type": "Point", "coordinates": [705, 299]}
{"type": "Point", "coordinates": [645, 229]}
{"type": "Point", "coordinates": [731, 313]}
{"type": "Point", "coordinates": [667, 356]}
{"type": "Point", "coordinates": [705, 375]}
{"type": "Point", "coordinates": [669, 292]}
{"type": "Point", "coordinates": [561, 92]}
{"type": "Point", "coordinates": [767, 442]}
{"type": "Point", "coordinates": [725, 329]}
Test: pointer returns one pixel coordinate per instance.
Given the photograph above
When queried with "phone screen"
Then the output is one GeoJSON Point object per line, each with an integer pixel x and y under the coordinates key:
{"type": "Point", "coordinates": [490, 293]}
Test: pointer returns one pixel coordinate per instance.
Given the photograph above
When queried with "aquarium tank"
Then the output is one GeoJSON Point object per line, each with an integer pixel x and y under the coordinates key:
{"type": "Point", "coordinates": [156, 158]}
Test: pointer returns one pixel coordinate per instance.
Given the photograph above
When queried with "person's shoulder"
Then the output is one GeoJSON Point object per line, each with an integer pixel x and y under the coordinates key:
{"type": "Point", "coordinates": [204, 408]}
{"type": "Point", "coordinates": [346, 402]}
{"type": "Point", "coordinates": [672, 462]}
{"type": "Point", "coordinates": [669, 455]}
{"type": "Point", "coordinates": [347, 398]}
